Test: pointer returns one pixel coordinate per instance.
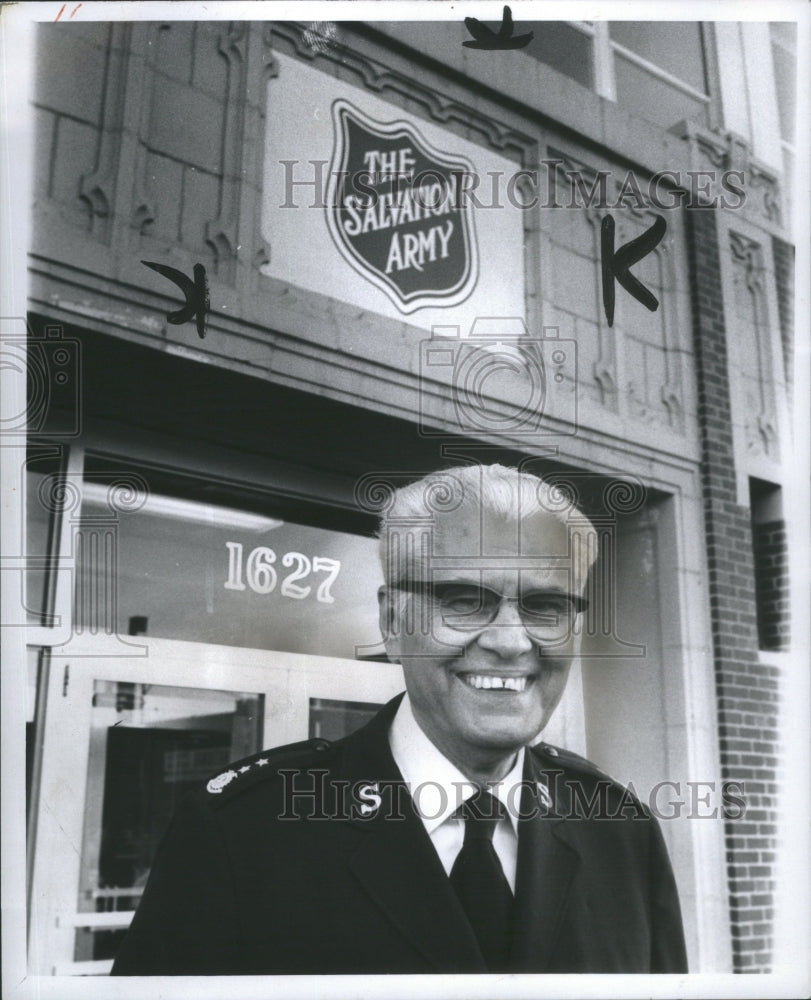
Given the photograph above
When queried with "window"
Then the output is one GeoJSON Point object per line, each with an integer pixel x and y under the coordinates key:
{"type": "Point", "coordinates": [672, 47]}
{"type": "Point", "coordinates": [784, 55]}
{"type": "Point", "coordinates": [211, 572]}
{"type": "Point", "coordinates": [332, 719]}
{"type": "Point", "coordinates": [149, 745]}
{"type": "Point", "coordinates": [660, 70]}
{"type": "Point", "coordinates": [564, 47]}
{"type": "Point", "coordinates": [656, 70]}
{"type": "Point", "coordinates": [42, 515]}
{"type": "Point", "coordinates": [771, 566]}
{"type": "Point", "coordinates": [784, 58]}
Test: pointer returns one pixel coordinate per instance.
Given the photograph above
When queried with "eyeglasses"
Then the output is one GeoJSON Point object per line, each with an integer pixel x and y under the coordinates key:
{"type": "Point", "coordinates": [468, 606]}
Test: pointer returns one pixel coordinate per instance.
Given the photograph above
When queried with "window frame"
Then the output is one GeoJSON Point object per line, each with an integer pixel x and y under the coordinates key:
{"type": "Point", "coordinates": [605, 50]}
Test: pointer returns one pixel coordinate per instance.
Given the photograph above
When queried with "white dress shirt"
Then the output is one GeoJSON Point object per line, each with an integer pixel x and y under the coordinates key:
{"type": "Point", "coordinates": [438, 788]}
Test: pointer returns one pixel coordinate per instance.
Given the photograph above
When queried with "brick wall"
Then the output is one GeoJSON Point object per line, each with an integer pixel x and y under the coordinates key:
{"type": "Point", "coordinates": [747, 690]}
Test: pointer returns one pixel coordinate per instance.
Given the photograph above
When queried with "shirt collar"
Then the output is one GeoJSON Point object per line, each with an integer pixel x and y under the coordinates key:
{"type": "Point", "coordinates": [436, 785]}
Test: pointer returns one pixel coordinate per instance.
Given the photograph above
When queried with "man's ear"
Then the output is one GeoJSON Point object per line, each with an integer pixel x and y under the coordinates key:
{"type": "Point", "coordinates": [386, 613]}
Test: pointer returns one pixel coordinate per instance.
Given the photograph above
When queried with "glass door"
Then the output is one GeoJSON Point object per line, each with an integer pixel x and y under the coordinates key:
{"type": "Point", "coordinates": [127, 737]}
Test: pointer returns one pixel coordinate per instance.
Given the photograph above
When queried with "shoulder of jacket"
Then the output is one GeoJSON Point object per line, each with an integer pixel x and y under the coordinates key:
{"type": "Point", "coordinates": [264, 766]}
{"type": "Point", "coordinates": [552, 756]}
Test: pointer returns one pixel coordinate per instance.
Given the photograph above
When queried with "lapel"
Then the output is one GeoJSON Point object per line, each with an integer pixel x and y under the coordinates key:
{"type": "Point", "coordinates": [547, 862]}
{"type": "Point", "coordinates": [396, 863]}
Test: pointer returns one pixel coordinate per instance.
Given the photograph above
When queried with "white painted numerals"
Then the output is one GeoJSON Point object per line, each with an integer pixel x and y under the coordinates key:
{"type": "Point", "coordinates": [332, 567]}
{"type": "Point", "coordinates": [261, 576]}
{"type": "Point", "coordinates": [259, 570]}
{"type": "Point", "coordinates": [234, 581]}
{"type": "Point", "coordinates": [302, 563]}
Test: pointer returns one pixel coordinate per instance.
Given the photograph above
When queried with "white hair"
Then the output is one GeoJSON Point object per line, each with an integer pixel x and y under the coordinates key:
{"type": "Point", "coordinates": [502, 491]}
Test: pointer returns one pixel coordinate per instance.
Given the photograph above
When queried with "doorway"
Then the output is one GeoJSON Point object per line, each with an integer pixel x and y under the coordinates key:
{"type": "Point", "coordinates": [127, 737]}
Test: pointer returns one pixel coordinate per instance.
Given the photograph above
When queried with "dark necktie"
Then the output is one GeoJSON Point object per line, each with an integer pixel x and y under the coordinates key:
{"type": "Point", "coordinates": [479, 882]}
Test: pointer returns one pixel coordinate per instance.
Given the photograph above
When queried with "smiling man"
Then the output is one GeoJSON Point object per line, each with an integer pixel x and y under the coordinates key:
{"type": "Point", "coordinates": [496, 588]}
{"type": "Point", "coordinates": [440, 837]}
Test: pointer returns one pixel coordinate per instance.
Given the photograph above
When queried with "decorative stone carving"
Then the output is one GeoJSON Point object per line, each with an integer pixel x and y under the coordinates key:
{"type": "Point", "coordinates": [221, 232]}
{"type": "Point", "coordinates": [97, 189]}
{"type": "Point", "coordinates": [116, 192]}
{"type": "Point", "coordinates": [605, 367]}
{"type": "Point", "coordinates": [764, 184]}
{"type": "Point", "coordinates": [753, 337]}
{"type": "Point", "coordinates": [730, 151]}
{"type": "Point", "coordinates": [377, 77]}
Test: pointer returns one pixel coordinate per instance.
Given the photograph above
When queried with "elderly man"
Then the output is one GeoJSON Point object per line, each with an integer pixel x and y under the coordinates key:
{"type": "Point", "coordinates": [440, 837]}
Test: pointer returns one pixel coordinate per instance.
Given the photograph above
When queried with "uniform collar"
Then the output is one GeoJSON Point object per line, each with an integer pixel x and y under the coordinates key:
{"type": "Point", "coordinates": [436, 785]}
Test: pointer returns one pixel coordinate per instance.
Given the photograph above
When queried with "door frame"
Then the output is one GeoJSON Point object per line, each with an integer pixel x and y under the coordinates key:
{"type": "Point", "coordinates": [287, 680]}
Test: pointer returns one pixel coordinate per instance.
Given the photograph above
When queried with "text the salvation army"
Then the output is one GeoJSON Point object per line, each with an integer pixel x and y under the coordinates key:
{"type": "Point", "coordinates": [423, 198]}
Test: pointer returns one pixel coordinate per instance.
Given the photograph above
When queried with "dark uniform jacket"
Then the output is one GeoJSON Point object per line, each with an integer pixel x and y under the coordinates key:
{"type": "Point", "coordinates": [310, 859]}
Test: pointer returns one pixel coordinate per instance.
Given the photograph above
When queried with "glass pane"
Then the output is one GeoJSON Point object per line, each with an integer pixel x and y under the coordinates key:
{"type": "Point", "coordinates": [674, 46]}
{"type": "Point", "coordinates": [33, 657]}
{"type": "Point", "coordinates": [214, 574]}
{"type": "Point", "coordinates": [653, 99]}
{"type": "Point", "coordinates": [785, 66]}
{"type": "Point", "coordinates": [562, 47]}
{"type": "Point", "coordinates": [149, 745]}
{"type": "Point", "coordinates": [332, 720]}
{"type": "Point", "coordinates": [39, 500]}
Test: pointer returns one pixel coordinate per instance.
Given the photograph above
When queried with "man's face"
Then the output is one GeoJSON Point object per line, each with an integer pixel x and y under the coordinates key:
{"type": "Point", "coordinates": [456, 678]}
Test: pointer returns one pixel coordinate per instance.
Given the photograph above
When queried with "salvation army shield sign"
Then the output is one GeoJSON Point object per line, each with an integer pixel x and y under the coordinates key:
{"type": "Point", "coordinates": [398, 212]}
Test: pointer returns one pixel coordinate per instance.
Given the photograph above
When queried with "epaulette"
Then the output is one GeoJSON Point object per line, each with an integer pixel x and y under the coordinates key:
{"type": "Point", "coordinates": [557, 756]}
{"type": "Point", "coordinates": [249, 771]}
{"type": "Point", "coordinates": [619, 797]}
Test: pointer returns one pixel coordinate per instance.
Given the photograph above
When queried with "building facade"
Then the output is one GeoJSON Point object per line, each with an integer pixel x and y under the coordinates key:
{"type": "Point", "coordinates": [358, 337]}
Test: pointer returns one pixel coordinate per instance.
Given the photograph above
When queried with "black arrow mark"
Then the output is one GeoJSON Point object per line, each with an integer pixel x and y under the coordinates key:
{"type": "Point", "coordinates": [486, 38]}
{"type": "Point", "coordinates": [196, 292]}
{"type": "Point", "coordinates": [616, 265]}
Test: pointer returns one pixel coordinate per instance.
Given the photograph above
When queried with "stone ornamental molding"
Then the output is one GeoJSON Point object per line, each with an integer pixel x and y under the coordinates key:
{"type": "Point", "coordinates": [761, 426]}
{"type": "Point", "coordinates": [113, 192]}
{"type": "Point", "coordinates": [221, 232]}
{"type": "Point", "coordinates": [379, 78]}
{"type": "Point", "coordinates": [730, 151]}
